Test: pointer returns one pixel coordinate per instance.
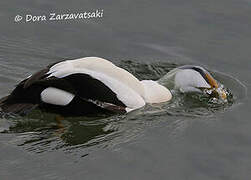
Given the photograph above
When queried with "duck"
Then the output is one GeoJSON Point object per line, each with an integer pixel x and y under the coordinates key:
{"type": "Point", "coordinates": [94, 85]}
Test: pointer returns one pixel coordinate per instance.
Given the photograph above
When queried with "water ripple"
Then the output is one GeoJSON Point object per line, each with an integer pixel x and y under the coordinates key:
{"type": "Point", "coordinates": [40, 132]}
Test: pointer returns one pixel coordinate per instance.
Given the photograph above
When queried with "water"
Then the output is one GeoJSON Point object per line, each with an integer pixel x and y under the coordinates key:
{"type": "Point", "coordinates": [183, 139]}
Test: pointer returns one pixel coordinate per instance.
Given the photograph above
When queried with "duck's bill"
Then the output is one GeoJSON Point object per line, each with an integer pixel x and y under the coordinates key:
{"type": "Point", "coordinates": [218, 93]}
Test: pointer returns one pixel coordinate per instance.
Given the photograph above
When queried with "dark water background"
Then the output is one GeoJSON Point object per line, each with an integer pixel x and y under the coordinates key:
{"type": "Point", "coordinates": [149, 38]}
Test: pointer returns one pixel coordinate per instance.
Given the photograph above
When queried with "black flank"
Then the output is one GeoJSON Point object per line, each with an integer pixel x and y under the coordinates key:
{"type": "Point", "coordinates": [91, 95]}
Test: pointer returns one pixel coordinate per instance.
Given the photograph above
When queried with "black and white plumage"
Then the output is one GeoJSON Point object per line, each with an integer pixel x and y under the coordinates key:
{"type": "Point", "coordinates": [83, 86]}
{"type": "Point", "coordinates": [94, 85]}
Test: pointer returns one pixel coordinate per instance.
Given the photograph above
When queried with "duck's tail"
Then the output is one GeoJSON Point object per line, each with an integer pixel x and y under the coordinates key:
{"type": "Point", "coordinates": [7, 106]}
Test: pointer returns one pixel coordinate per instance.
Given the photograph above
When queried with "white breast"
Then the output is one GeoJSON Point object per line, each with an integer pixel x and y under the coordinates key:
{"type": "Point", "coordinates": [155, 93]}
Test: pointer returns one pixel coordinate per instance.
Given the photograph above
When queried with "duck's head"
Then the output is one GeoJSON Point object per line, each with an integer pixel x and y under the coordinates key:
{"type": "Point", "coordinates": [191, 78]}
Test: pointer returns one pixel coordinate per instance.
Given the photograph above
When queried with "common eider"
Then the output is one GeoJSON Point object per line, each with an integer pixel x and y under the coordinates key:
{"type": "Point", "coordinates": [93, 85]}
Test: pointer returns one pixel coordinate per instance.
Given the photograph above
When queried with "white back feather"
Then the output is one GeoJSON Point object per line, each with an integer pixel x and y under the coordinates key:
{"type": "Point", "coordinates": [128, 88]}
{"type": "Point", "coordinates": [100, 65]}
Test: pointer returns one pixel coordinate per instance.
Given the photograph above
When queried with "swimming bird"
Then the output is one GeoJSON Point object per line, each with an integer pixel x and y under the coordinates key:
{"type": "Point", "coordinates": [93, 85]}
